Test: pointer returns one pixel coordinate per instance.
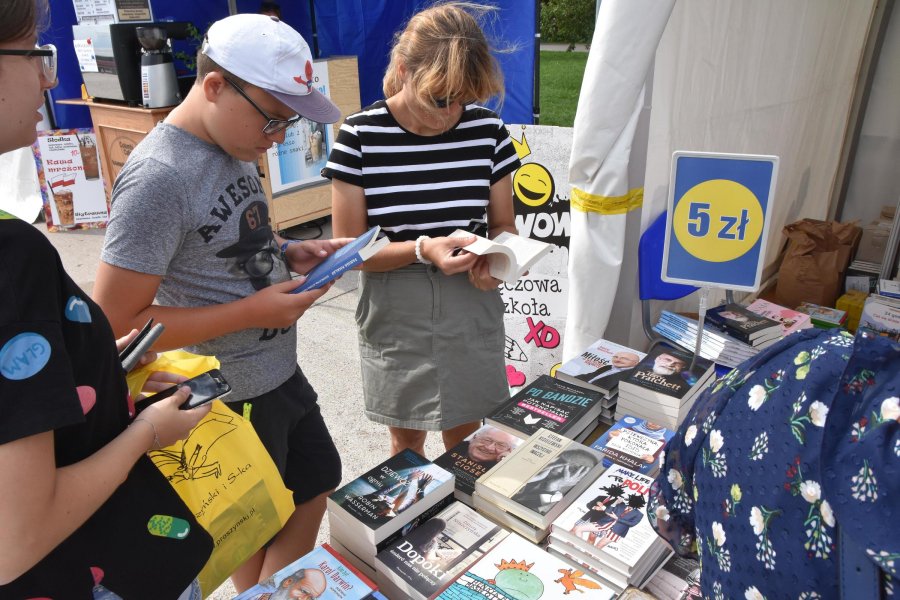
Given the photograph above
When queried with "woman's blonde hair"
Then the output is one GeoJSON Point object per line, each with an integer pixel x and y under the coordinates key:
{"type": "Point", "coordinates": [445, 55]}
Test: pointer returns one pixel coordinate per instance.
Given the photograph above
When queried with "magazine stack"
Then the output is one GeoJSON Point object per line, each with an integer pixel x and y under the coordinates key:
{"type": "Point", "coordinates": [599, 368]}
{"type": "Point", "coordinates": [662, 387]}
{"type": "Point", "coordinates": [791, 320]}
{"type": "Point", "coordinates": [716, 345]}
{"type": "Point", "coordinates": [536, 482]}
{"type": "Point", "coordinates": [385, 503]}
{"type": "Point", "coordinates": [606, 529]}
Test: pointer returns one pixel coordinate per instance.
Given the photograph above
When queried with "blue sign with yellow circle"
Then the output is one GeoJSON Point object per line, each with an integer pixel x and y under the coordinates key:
{"type": "Point", "coordinates": [718, 219]}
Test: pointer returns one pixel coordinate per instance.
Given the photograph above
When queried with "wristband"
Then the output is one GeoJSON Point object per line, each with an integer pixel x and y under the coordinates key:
{"type": "Point", "coordinates": [419, 256]}
{"type": "Point", "coordinates": [284, 248]}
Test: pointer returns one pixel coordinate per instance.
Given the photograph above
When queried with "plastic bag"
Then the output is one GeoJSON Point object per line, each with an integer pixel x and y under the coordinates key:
{"type": "Point", "coordinates": [224, 475]}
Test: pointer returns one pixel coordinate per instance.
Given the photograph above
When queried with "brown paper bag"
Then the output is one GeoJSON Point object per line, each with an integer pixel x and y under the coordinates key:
{"type": "Point", "coordinates": [815, 260]}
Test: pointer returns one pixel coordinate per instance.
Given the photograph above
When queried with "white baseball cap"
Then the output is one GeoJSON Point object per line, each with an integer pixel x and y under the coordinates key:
{"type": "Point", "coordinates": [269, 54]}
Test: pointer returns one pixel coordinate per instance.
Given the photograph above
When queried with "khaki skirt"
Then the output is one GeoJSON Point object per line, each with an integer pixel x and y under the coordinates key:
{"type": "Point", "coordinates": [431, 348]}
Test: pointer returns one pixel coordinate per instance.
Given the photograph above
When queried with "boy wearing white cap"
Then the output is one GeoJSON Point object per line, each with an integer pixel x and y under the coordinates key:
{"type": "Point", "coordinates": [190, 228]}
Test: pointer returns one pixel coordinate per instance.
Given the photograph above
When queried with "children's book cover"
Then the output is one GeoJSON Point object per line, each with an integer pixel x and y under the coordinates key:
{"type": "Point", "coordinates": [633, 443]}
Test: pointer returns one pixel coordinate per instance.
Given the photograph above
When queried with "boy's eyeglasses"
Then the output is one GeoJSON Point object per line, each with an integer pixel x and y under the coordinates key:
{"type": "Point", "coordinates": [273, 125]}
{"type": "Point", "coordinates": [47, 53]}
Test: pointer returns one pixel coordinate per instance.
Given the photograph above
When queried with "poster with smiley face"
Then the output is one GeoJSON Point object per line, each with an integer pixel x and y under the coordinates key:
{"type": "Point", "coordinates": [535, 305]}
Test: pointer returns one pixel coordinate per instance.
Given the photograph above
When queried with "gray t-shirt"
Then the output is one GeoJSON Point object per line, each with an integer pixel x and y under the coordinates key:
{"type": "Point", "coordinates": [191, 213]}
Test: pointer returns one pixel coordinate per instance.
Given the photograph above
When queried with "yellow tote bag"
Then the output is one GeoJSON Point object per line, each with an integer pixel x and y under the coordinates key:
{"type": "Point", "coordinates": [224, 475]}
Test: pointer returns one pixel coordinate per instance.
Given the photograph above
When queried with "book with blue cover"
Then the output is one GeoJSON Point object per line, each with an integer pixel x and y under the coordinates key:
{"type": "Point", "coordinates": [345, 258]}
{"type": "Point", "coordinates": [322, 574]}
{"type": "Point", "coordinates": [633, 443]}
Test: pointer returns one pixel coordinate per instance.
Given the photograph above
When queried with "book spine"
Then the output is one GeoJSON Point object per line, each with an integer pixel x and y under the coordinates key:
{"type": "Point", "coordinates": [346, 265]}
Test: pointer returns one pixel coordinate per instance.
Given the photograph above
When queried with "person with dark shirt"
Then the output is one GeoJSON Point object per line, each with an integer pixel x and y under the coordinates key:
{"type": "Point", "coordinates": [83, 508]}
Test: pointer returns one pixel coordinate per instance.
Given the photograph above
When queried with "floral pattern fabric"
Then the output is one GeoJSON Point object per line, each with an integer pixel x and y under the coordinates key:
{"type": "Point", "coordinates": [778, 454]}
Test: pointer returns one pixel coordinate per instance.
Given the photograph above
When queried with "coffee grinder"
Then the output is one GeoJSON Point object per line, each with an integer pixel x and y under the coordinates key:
{"type": "Point", "coordinates": [159, 85]}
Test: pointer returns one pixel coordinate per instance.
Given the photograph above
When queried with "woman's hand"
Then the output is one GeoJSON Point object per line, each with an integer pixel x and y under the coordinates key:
{"type": "Point", "coordinates": [480, 276]}
{"type": "Point", "coordinates": [148, 356]}
{"type": "Point", "coordinates": [444, 253]}
{"type": "Point", "coordinates": [160, 380]}
{"type": "Point", "coordinates": [169, 422]}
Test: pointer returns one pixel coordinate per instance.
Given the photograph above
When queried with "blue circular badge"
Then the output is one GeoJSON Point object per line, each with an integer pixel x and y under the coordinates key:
{"type": "Point", "coordinates": [24, 355]}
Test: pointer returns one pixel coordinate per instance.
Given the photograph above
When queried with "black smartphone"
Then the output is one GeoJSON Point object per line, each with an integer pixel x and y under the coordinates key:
{"type": "Point", "coordinates": [136, 348]}
{"type": "Point", "coordinates": [205, 387]}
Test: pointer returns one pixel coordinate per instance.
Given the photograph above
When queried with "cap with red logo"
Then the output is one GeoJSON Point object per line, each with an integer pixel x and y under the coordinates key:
{"type": "Point", "coordinates": [269, 54]}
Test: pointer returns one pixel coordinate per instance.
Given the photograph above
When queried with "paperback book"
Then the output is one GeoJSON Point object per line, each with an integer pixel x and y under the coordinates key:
{"type": "Point", "coordinates": [679, 579]}
{"type": "Point", "coordinates": [421, 563]}
{"type": "Point", "coordinates": [390, 495]}
{"type": "Point", "coordinates": [743, 324]}
{"type": "Point", "coordinates": [664, 376]}
{"type": "Point", "coordinates": [791, 320]}
{"type": "Point", "coordinates": [823, 317]}
{"type": "Point", "coordinates": [600, 367]}
{"type": "Point", "coordinates": [881, 316]}
{"type": "Point", "coordinates": [475, 456]}
{"type": "Point", "coordinates": [516, 569]}
{"type": "Point", "coordinates": [512, 522]}
{"type": "Point", "coordinates": [889, 288]}
{"type": "Point", "coordinates": [550, 404]}
{"type": "Point", "coordinates": [345, 258]}
{"type": "Point", "coordinates": [509, 255]}
{"type": "Point", "coordinates": [609, 520]}
{"type": "Point", "coordinates": [633, 443]}
{"type": "Point", "coordinates": [539, 479]}
{"type": "Point", "coordinates": [322, 574]}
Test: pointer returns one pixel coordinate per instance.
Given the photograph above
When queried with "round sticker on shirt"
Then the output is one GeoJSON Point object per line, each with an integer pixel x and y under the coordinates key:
{"type": "Point", "coordinates": [77, 310]}
{"type": "Point", "coordinates": [24, 356]}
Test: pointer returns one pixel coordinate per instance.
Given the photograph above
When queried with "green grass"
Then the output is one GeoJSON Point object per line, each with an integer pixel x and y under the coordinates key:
{"type": "Point", "coordinates": [561, 75]}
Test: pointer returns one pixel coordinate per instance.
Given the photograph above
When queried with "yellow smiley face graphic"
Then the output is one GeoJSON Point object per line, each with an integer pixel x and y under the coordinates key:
{"type": "Point", "coordinates": [533, 184]}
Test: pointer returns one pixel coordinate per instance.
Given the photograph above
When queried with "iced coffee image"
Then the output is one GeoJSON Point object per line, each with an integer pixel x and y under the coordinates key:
{"type": "Point", "coordinates": [88, 150]}
{"type": "Point", "coordinates": [61, 190]}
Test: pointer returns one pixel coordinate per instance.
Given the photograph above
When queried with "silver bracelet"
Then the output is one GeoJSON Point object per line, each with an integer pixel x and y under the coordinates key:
{"type": "Point", "coordinates": [419, 256]}
{"type": "Point", "coordinates": [156, 444]}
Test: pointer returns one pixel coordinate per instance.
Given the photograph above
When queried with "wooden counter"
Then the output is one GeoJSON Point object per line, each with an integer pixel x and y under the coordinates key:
{"type": "Point", "coordinates": [119, 128]}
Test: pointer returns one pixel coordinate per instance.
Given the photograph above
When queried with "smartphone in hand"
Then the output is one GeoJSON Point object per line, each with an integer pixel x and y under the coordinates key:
{"type": "Point", "coordinates": [143, 341]}
{"type": "Point", "coordinates": [205, 387]}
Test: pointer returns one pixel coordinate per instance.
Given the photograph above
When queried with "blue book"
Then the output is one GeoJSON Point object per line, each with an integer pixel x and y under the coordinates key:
{"type": "Point", "coordinates": [355, 253]}
{"type": "Point", "coordinates": [323, 572]}
{"type": "Point", "coordinates": [634, 444]}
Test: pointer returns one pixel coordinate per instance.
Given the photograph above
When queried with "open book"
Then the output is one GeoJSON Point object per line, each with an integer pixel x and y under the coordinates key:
{"type": "Point", "coordinates": [509, 255]}
{"type": "Point", "coordinates": [355, 253]}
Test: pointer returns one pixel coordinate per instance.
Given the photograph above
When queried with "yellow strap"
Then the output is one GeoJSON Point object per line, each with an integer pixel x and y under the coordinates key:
{"type": "Point", "coordinates": [607, 205]}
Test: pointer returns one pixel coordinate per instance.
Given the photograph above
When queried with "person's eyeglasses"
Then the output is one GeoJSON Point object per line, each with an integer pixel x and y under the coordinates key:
{"type": "Point", "coordinates": [273, 125]}
{"type": "Point", "coordinates": [260, 264]}
{"type": "Point", "coordinates": [47, 53]}
{"type": "Point", "coordinates": [445, 102]}
{"type": "Point", "coordinates": [499, 446]}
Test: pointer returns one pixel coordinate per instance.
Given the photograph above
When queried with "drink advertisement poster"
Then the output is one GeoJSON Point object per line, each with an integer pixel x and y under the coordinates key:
{"type": "Point", "coordinates": [69, 174]}
{"type": "Point", "coordinates": [296, 162]}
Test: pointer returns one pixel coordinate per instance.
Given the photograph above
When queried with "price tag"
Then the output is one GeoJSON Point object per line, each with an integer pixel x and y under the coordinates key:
{"type": "Point", "coordinates": [719, 207]}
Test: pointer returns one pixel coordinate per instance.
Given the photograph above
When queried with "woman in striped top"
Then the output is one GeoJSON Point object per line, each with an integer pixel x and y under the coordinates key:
{"type": "Point", "coordinates": [424, 162]}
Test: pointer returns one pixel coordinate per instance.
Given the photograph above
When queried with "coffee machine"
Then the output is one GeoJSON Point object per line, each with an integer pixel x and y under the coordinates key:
{"type": "Point", "coordinates": [159, 85]}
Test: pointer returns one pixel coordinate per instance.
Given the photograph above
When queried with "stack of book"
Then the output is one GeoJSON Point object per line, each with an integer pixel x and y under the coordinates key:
{"type": "Point", "coordinates": [426, 560]}
{"type": "Point", "coordinates": [633, 443]}
{"type": "Point", "coordinates": [516, 569]}
{"type": "Point", "coordinates": [745, 325]}
{"type": "Point", "coordinates": [716, 345]}
{"type": "Point", "coordinates": [322, 574]}
{"type": "Point", "coordinates": [550, 404]}
{"type": "Point", "coordinates": [823, 317]}
{"type": "Point", "coordinates": [678, 579]}
{"type": "Point", "coordinates": [606, 529]}
{"type": "Point", "coordinates": [600, 367]}
{"type": "Point", "coordinates": [378, 507]}
{"type": "Point", "coordinates": [881, 316]}
{"type": "Point", "coordinates": [536, 482]}
{"type": "Point", "coordinates": [475, 456]}
{"type": "Point", "coordinates": [790, 320]}
{"type": "Point", "coordinates": [663, 387]}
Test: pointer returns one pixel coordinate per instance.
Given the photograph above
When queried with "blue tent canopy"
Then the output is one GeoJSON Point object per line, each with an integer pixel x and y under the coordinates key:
{"type": "Point", "coordinates": [362, 28]}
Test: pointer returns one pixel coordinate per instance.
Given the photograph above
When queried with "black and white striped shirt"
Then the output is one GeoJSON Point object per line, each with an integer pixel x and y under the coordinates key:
{"type": "Point", "coordinates": [423, 185]}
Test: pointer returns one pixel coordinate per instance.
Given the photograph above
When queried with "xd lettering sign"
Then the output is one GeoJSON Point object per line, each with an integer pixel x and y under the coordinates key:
{"type": "Point", "coordinates": [718, 219]}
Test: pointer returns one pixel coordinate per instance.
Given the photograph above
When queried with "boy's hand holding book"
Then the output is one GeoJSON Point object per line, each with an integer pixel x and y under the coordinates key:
{"type": "Point", "coordinates": [303, 255]}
